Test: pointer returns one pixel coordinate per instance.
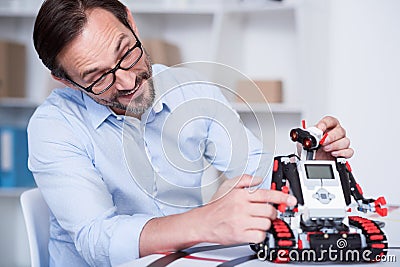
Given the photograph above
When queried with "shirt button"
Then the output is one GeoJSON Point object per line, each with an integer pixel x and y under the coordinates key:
{"type": "Point", "coordinates": [119, 118]}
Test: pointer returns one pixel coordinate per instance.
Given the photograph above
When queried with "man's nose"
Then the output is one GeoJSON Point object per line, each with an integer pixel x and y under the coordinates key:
{"type": "Point", "coordinates": [125, 79]}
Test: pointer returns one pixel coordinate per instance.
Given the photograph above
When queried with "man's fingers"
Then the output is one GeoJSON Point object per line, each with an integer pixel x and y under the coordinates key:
{"type": "Point", "coordinates": [331, 126]}
{"type": "Point", "coordinates": [340, 144]}
{"type": "Point", "coordinates": [334, 134]}
{"type": "Point", "coordinates": [272, 196]}
{"type": "Point", "coordinates": [239, 182]}
{"type": "Point", "coordinates": [345, 153]}
{"type": "Point", "coordinates": [336, 144]}
{"type": "Point", "coordinates": [261, 224]}
{"type": "Point", "coordinates": [327, 122]}
{"type": "Point", "coordinates": [254, 236]}
{"type": "Point", "coordinates": [246, 181]}
{"type": "Point", "coordinates": [263, 210]}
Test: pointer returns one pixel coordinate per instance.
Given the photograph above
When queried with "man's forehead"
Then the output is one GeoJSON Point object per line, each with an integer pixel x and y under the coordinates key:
{"type": "Point", "coordinates": [102, 35]}
{"type": "Point", "coordinates": [99, 17]}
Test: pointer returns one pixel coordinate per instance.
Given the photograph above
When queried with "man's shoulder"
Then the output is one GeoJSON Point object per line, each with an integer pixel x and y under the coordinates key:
{"type": "Point", "coordinates": [182, 82]}
{"type": "Point", "coordinates": [64, 97]}
{"type": "Point", "coordinates": [60, 102]}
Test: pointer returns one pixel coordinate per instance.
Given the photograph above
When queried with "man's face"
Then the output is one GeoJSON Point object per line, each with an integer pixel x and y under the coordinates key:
{"type": "Point", "coordinates": [102, 43]}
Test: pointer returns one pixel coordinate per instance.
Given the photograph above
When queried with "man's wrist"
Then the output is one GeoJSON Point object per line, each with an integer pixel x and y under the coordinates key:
{"type": "Point", "coordinates": [199, 232]}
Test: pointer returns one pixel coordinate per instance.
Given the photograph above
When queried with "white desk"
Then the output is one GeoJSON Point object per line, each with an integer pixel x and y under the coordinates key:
{"type": "Point", "coordinates": [216, 257]}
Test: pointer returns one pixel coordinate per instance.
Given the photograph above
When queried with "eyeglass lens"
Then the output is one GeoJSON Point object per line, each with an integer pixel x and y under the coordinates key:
{"type": "Point", "coordinates": [127, 62]}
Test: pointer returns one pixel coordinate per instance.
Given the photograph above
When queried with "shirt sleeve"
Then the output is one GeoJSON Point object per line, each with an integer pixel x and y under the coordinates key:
{"type": "Point", "coordinates": [76, 194]}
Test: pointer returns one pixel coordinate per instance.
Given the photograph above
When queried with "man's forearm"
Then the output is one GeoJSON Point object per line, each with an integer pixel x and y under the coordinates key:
{"type": "Point", "coordinates": [235, 215]}
{"type": "Point", "coordinates": [171, 233]}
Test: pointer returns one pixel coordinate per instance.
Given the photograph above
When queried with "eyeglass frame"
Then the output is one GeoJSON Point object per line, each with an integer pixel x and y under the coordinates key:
{"type": "Point", "coordinates": [113, 70]}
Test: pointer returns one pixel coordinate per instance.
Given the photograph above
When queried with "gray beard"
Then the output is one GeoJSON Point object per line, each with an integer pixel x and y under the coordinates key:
{"type": "Point", "coordinates": [141, 103]}
{"type": "Point", "coordinates": [138, 105]}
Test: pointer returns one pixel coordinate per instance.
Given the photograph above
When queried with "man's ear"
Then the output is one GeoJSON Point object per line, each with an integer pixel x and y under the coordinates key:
{"type": "Point", "coordinates": [63, 81]}
{"type": "Point", "coordinates": [132, 21]}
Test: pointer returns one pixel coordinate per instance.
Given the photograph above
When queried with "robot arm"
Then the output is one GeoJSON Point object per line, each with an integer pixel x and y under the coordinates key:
{"type": "Point", "coordinates": [350, 185]}
{"type": "Point", "coordinates": [285, 169]}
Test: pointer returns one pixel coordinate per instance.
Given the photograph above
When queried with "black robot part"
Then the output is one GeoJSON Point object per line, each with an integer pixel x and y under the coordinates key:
{"type": "Point", "coordinates": [284, 170]}
{"type": "Point", "coordinates": [307, 140]}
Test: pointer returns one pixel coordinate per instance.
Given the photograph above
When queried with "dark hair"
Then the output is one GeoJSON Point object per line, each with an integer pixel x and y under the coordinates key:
{"type": "Point", "coordinates": [61, 21]}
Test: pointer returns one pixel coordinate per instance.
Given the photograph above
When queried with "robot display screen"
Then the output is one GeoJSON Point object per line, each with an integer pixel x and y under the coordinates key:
{"type": "Point", "coordinates": [319, 171]}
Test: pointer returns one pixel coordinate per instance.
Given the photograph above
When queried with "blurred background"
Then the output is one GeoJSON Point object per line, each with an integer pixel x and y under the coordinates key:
{"type": "Point", "coordinates": [309, 58]}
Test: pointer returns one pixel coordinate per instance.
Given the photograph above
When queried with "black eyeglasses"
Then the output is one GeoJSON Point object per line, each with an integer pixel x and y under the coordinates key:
{"type": "Point", "coordinates": [127, 61]}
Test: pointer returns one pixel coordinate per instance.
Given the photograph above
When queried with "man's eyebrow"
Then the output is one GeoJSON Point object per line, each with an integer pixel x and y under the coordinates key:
{"type": "Point", "coordinates": [87, 72]}
{"type": "Point", "coordinates": [117, 48]}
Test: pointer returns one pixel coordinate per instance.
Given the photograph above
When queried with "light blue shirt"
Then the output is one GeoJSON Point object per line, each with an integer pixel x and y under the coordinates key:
{"type": "Point", "coordinates": [104, 176]}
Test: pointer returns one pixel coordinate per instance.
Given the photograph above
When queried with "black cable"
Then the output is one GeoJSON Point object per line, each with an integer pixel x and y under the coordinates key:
{"type": "Point", "coordinates": [238, 261]}
{"type": "Point", "coordinates": [164, 261]}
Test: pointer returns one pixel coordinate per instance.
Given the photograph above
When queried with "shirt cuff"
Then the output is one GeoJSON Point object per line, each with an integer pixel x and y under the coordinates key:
{"type": "Point", "coordinates": [124, 243]}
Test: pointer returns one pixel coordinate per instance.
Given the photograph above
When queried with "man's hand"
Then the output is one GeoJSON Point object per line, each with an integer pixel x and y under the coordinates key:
{"type": "Point", "coordinates": [336, 144]}
{"type": "Point", "coordinates": [239, 214]}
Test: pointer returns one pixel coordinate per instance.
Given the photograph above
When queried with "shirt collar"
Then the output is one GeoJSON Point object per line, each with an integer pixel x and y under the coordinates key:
{"type": "Point", "coordinates": [98, 113]}
{"type": "Point", "coordinates": [158, 105]}
{"type": "Point", "coordinates": [168, 88]}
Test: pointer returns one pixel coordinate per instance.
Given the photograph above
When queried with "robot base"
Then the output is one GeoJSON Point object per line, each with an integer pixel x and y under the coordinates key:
{"type": "Point", "coordinates": [364, 241]}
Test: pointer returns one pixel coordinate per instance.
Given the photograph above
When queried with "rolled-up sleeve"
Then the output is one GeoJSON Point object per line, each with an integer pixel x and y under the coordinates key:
{"type": "Point", "coordinates": [122, 249]}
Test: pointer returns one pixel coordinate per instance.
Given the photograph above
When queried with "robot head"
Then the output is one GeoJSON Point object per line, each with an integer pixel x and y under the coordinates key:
{"type": "Point", "coordinates": [309, 138]}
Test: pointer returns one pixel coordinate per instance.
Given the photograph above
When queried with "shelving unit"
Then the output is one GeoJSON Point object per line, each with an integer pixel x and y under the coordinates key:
{"type": "Point", "coordinates": [258, 38]}
{"type": "Point", "coordinates": [204, 30]}
{"type": "Point", "coordinates": [11, 102]}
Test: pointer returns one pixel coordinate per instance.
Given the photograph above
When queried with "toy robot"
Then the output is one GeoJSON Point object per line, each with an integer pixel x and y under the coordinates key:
{"type": "Point", "coordinates": [320, 223]}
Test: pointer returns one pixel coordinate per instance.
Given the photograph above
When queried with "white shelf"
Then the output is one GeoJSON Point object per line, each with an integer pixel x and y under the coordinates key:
{"type": "Point", "coordinates": [151, 8]}
{"type": "Point", "coordinates": [276, 108]}
{"type": "Point", "coordinates": [208, 8]}
{"type": "Point", "coordinates": [11, 102]}
{"type": "Point", "coordinates": [21, 12]}
{"type": "Point", "coordinates": [261, 6]}
{"type": "Point", "coordinates": [175, 7]}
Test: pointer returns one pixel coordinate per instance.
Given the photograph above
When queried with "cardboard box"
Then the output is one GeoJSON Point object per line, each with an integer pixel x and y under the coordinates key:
{"type": "Point", "coordinates": [12, 69]}
{"type": "Point", "coordinates": [162, 52]}
{"type": "Point", "coordinates": [255, 92]}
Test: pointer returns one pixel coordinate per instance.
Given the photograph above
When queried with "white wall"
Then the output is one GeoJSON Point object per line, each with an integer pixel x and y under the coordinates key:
{"type": "Point", "coordinates": [356, 67]}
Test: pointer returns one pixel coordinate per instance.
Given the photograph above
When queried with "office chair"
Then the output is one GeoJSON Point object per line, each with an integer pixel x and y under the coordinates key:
{"type": "Point", "coordinates": [36, 216]}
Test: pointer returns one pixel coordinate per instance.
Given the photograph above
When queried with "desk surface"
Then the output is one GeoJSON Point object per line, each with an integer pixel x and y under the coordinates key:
{"type": "Point", "coordinates": [217, 257]}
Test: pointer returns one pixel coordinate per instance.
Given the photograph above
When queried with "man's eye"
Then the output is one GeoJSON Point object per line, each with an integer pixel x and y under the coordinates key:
{"type": "Point", "coordinates": [128, 52]}
{"type": "Point", "coordinates": [101, 81]}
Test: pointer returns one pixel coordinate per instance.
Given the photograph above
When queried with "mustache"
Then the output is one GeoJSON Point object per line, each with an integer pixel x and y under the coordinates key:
{"type": "Point", "coordinates": [145, 75]}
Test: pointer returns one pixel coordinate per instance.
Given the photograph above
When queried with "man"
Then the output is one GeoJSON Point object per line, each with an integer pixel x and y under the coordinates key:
{"type": "Point", "coordinates": [108, 205]}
